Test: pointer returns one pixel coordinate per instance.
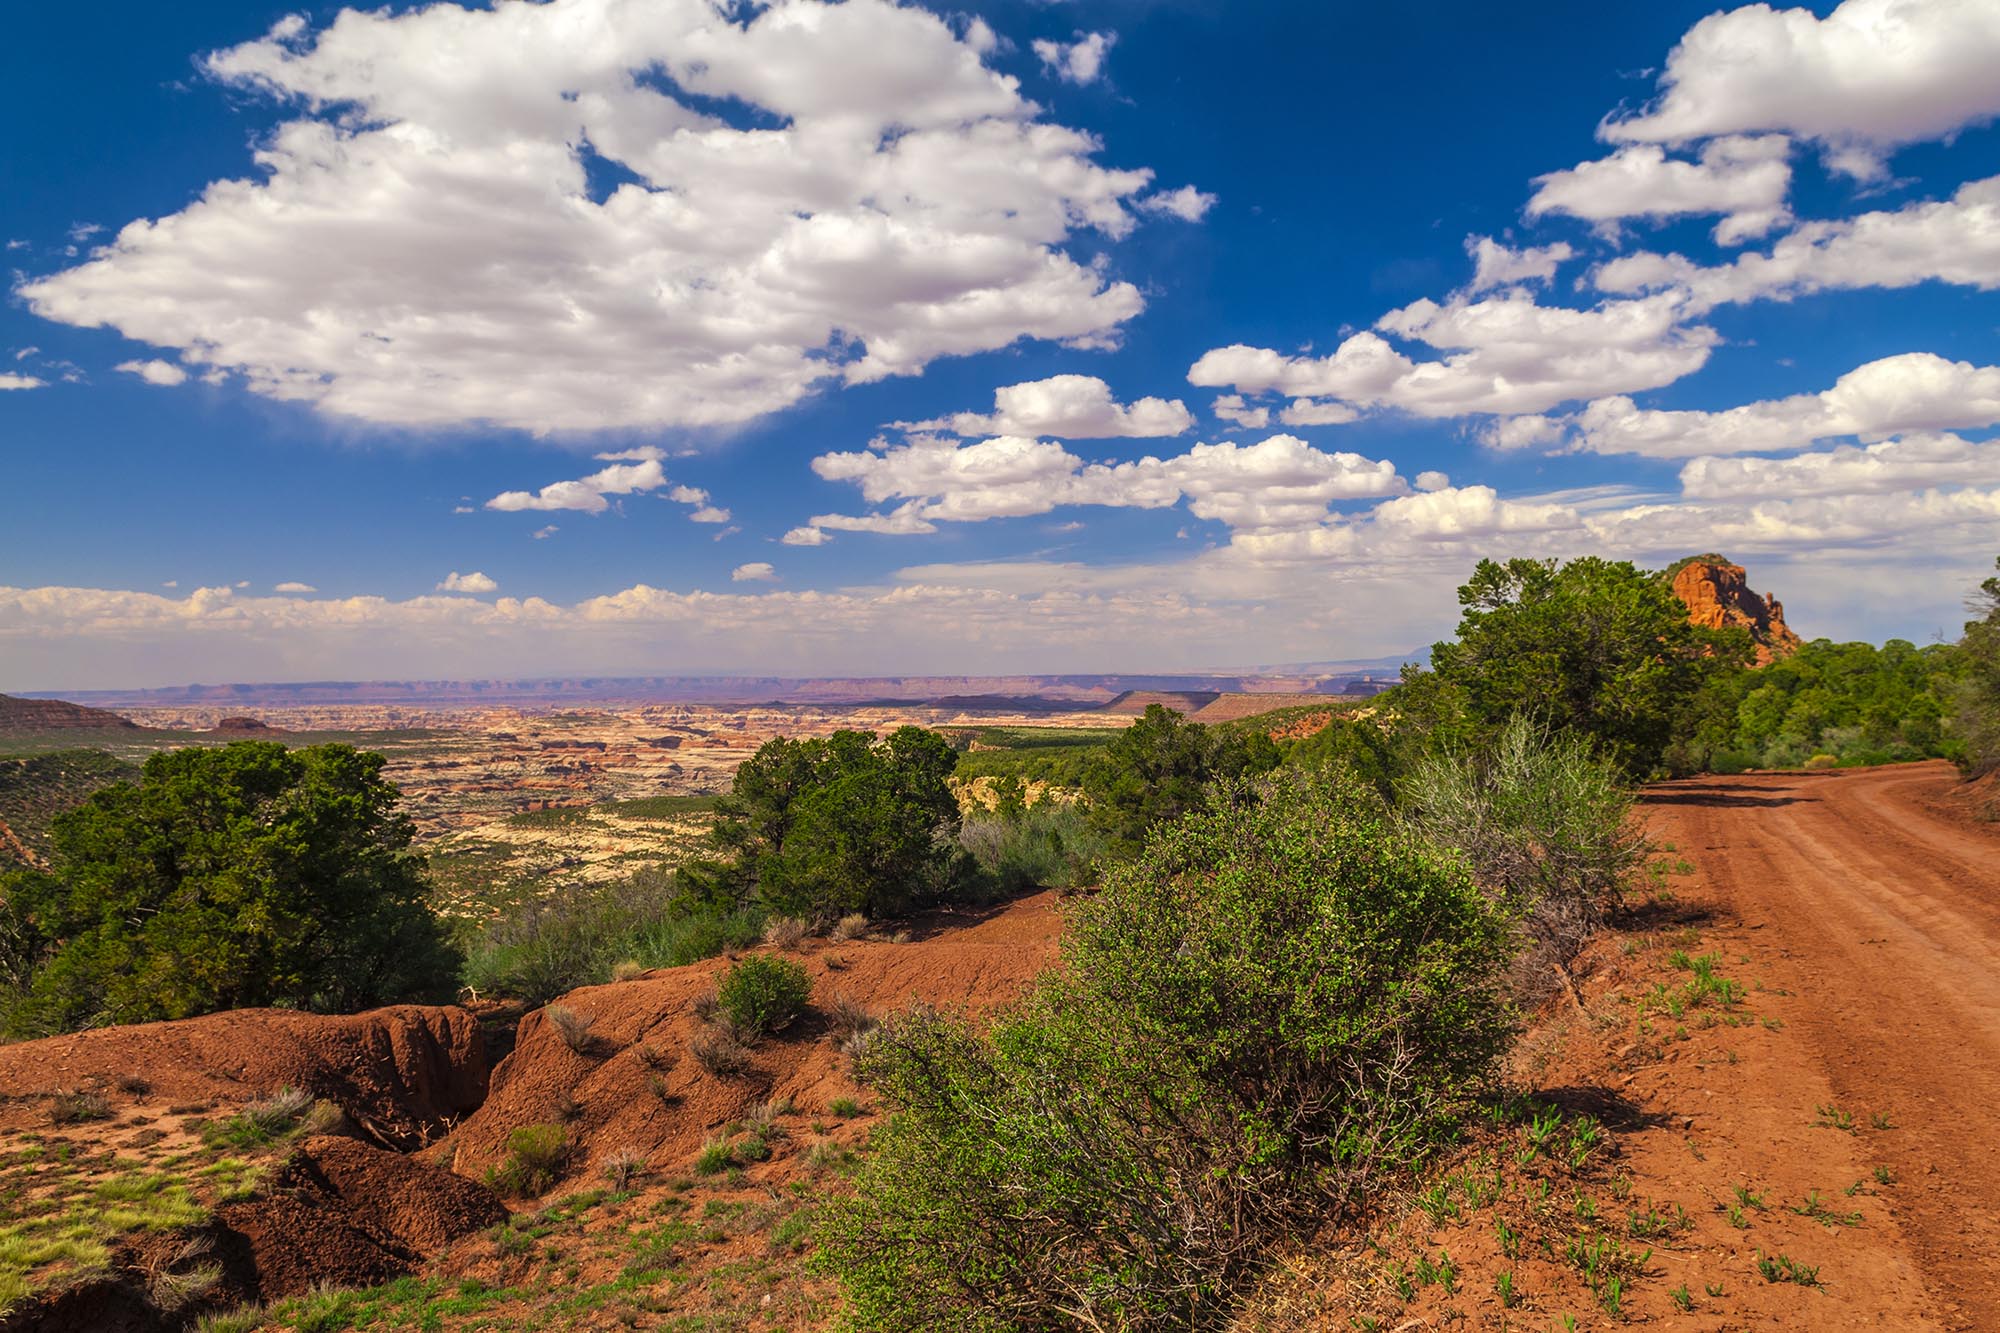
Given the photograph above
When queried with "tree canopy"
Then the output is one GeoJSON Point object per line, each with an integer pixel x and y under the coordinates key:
{"type": "Point", "coordinates": [1161, 767]}
{"type": "Point", "coordinates": [844, 823]}
{"type": "Point", "coordinates": [1977, 663]}
{"type": "Point", "coordinates": [1595, 646]}
{"type": "Point", "coordinates": [247, 874]}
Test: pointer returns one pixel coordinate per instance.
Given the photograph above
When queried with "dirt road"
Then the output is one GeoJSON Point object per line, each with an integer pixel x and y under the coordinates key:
{"type": "Point", "coordinates": [1875, 913]}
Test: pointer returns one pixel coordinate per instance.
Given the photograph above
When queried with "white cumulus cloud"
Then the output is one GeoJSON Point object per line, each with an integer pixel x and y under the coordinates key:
{"type": "Point", "coordinates": [586, 494]}
{"type": "Point", "coordinates": [1505, 354]}
{"type": "Point", "coordinates": [1278, 482]}
{"type": "Point", "coordinates": [428, 241]}
{"type": "Point", "coordinates": [294, 586]}
{"type": "Point", "coordinates": [757, 571]}
{"type": "Point", "coordinates": [1916, 391]}
{"type": "Point", "coordinates": [1080, 61]}
{"type": "Point", "coordinates": [1497, 265]}
{"type": "Point", "coordinates": [1073, 406]}
{"type": "Point", "coordinates": [1954, 240]}
{"type": "Point", "coordinates": [163, 373]}
{"type": "Point", "coordinates": [1871, 75]}
{"type": "Point", "coordinates": [473, 582]}
{"type": "Point", "coordinates": [1187, 203]}
{"type": "Point", "coordinates": [1912, 462]}
{"type": "Point", "coordinates": [10, 380]}
{"type": "Point", "coordinates": [1745, 178]}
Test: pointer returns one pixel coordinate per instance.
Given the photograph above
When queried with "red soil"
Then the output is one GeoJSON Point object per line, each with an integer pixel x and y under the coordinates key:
{"type": "Point", "coordinates": [636, 1087]}
{"type": "Point", "coordinates": [1875, 910]}
{"type": "Point", "coordinates": [401, 1073]}
{"type": "Point", "coordinates": [342, 1212]}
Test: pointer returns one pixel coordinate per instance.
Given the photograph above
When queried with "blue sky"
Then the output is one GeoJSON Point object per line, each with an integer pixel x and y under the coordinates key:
{"type": "Point", "coordinates": [1293, 312]}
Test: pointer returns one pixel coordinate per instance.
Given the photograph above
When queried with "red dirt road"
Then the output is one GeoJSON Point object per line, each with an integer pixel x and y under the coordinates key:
{"type": "Point", "coordinates": [1883, 916]}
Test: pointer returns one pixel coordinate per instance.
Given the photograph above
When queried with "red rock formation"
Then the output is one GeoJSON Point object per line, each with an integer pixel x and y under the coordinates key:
{"type": "Point", "coordinates": [1718, 596]}
{"type": "Point", "coordinates": [57, 715]}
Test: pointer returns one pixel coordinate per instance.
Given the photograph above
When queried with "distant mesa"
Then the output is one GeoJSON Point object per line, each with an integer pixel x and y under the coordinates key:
{"type": "Point", "coordinates": [1132, 703]}
{"type": "Point", "coordinates": [245, 726]}
{"type": "Point", "coordinates": [58, 715]}
{"type": "Point", "coordinates": [1718, 596]}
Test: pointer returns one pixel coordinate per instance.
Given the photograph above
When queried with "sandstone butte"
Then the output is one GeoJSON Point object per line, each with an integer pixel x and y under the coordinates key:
{"type": "Point", "coordinates": [1718, 597]}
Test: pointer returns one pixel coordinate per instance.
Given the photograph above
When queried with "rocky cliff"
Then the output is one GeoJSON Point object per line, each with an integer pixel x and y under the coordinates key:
{"type": "Point", "coordinates": [1718, 596]}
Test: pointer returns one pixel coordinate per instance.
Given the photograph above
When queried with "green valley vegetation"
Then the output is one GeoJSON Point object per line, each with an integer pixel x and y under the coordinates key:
{"type": "Point", "coordinates": [1059, 755]}
{"type": "Point", "coordinates": [247, 874]}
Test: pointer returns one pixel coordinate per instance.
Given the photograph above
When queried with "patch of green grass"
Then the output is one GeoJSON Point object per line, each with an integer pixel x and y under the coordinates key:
{"type": "Point", "coordinates": [1608, 1266]}
{"type": "Point", "coordinates": [1815, 1208]}
{"type": "Point", "coordinates": [661, 807]}
{"type": "Point", "coordinates": [261, 1124]}
{"type": "Point", "coordinates": [1657, 1223]}
{"type": "Point", "coordinates": [536, 1156]}
{"type": "Point", "coordinates": [716, 1156]}
{"type": "Point", "coordinates": [71, 1225]}
{"type": "Point", "coordinates": [407, 1303]}
{"type": "Point", "coordinates": [555, 816]}
{"type": "Point", "coordinates": [1782, 1268]}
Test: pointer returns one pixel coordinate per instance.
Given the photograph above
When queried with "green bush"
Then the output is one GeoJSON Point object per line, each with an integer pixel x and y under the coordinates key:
{"type": "Point", "coordinates": [1857, 702]}
{"type": "Point", "coordinates": [1281, 1006]}
{"type": "Point", "coordinates": [551, 945]}
{"type": "Point", "coordinates": [1047, 845]}
{"type": "Point", "coordinates": [763, 993]}
{"type": "Point", "coordinates": [536, 1156]}
{"type": "Point", "coordinates": [1355, 744]}
{"type": "Point", "coordinates": [1545, 822]}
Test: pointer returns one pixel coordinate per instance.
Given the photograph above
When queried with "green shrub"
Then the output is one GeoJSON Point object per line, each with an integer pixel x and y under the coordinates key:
{"type": "Point", "coordinates": [1281, 1005]}
{"type": "Point", "coordinates": [1355, 744]}
{"type": "Point", "coordinates": [1857, 702]}
{"type": "Point", "coordinates": [536, 1156]}
{"type": "Point", "coordinates": [552, 945]}
{"type": "Point", "coordinates": [1047, 845]}
{"type": "Point", "coordinates": [262, 1122]}
{"type": "Point", "coordinates": [1546, 825]}
{"type": "Point", "coordinates": [763, 993]}
{"type": "Point", "coordinates": [715, 1157]}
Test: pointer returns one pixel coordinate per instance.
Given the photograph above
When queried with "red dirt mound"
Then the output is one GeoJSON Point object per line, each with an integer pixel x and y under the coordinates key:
{"type": "Point", "coordinates": [342, 1212]}
{"type": "Point", "coordinates": [403, 1073]}
{"type": "Point", "coordinates": [635, 1086]}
